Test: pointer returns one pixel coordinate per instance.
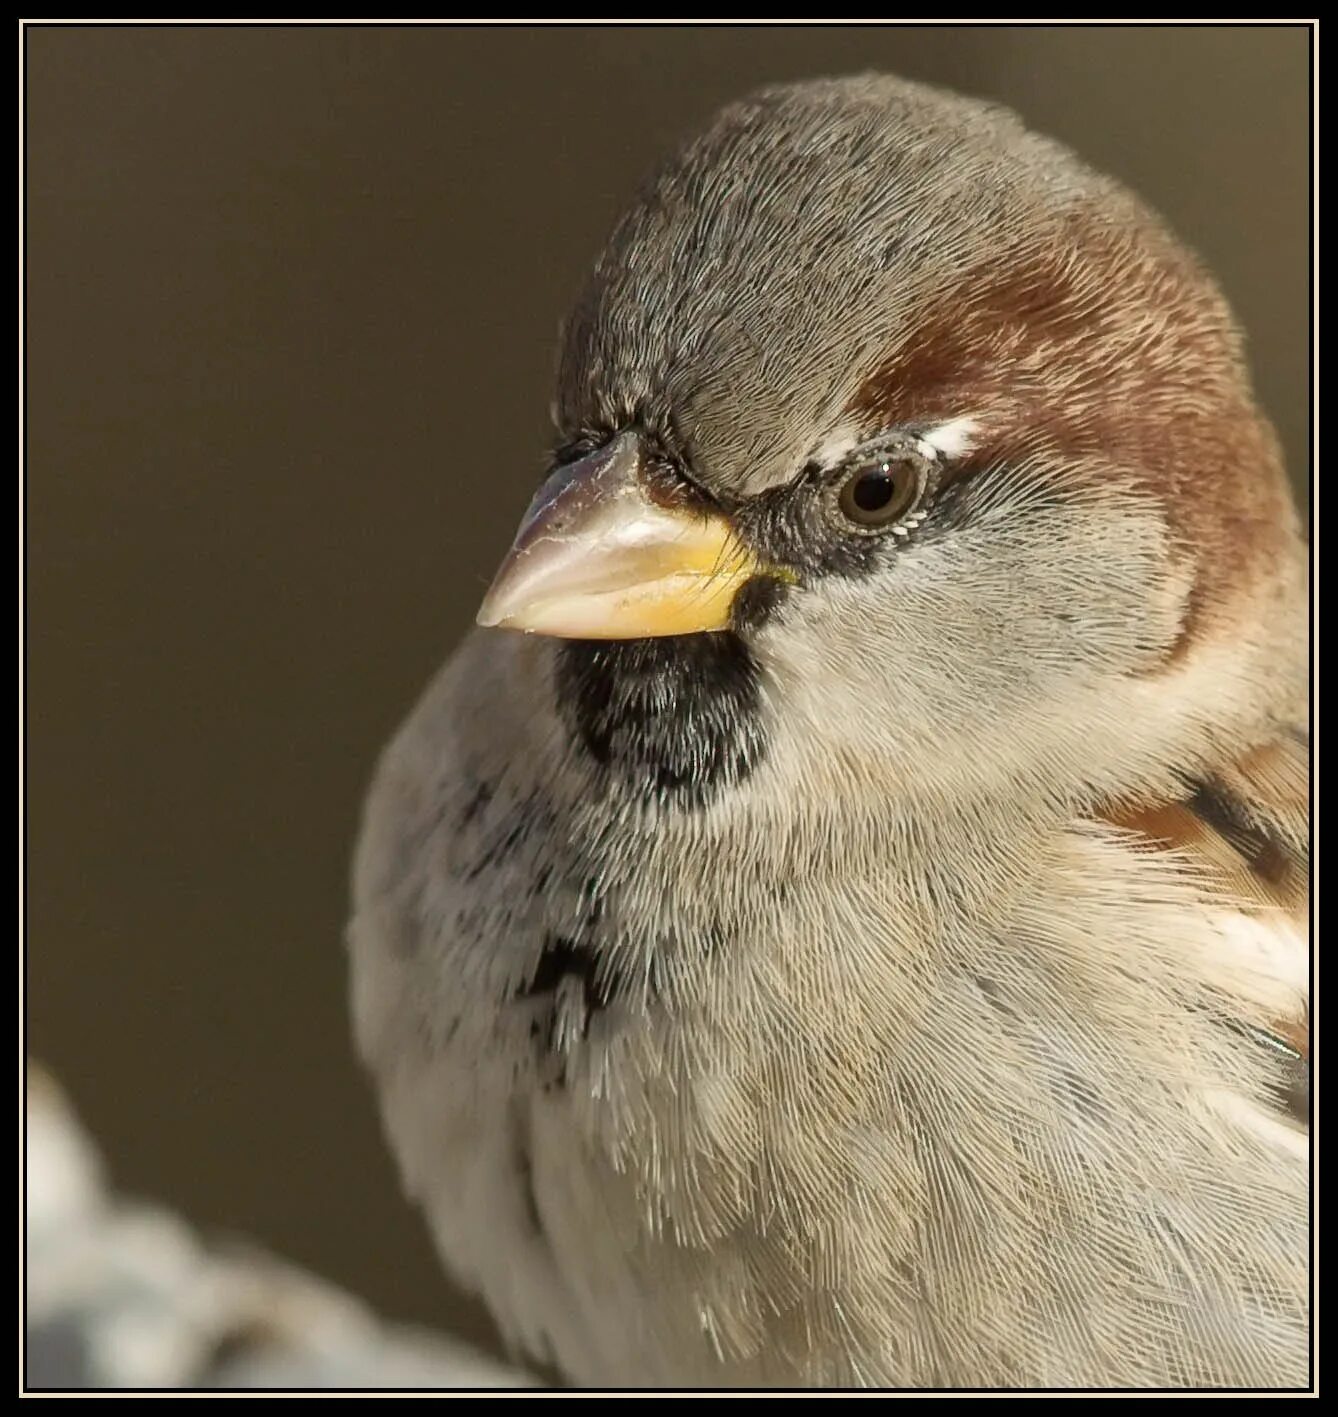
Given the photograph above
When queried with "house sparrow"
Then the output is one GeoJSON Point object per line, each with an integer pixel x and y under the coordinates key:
{"type": "Point", "coordinates": [856, 936]}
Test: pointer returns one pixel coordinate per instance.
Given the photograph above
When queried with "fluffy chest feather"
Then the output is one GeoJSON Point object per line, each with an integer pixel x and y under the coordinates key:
{"type": "Point", "coordinates": [981, 1109]}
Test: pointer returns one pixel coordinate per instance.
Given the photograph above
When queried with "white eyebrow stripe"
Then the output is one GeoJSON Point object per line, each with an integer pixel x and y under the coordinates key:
{"type": "Point", "coordinates": [952, 439]}
{"type": "Point", "coordinates": [836, 445]}
{"type": "Point", "coordinates": [946, 440]}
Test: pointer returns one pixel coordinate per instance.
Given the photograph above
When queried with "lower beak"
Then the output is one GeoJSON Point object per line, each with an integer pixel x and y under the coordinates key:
{"type": "Point", "coordinates": [597, 558]}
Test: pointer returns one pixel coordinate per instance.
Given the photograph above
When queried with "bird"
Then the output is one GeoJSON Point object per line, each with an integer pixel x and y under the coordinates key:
{"type": "Point", "coordinates": [840, 919]}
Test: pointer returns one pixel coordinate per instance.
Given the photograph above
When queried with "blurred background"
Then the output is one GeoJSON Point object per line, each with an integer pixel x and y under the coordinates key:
{"type": "Point", "coordinates": [292, 299]}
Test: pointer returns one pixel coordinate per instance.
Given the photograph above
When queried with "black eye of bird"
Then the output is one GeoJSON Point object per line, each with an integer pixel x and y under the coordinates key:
{"type": "Point", "coordinates": [881, 489]}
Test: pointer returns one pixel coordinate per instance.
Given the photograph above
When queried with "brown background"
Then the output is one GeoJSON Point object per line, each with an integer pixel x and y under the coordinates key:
{"type": "Point", "coordinates": [292, 298]}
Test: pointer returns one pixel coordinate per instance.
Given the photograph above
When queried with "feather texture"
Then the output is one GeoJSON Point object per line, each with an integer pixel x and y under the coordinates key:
{"type": "Point", "coordinates": [1244, 831]}
{"type": "Point", "coordinates": [898, 988]}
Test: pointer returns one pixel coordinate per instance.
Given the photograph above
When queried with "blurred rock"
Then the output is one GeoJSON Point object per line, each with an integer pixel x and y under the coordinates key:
{"type": "Point", "coordinates": [125, 1295]}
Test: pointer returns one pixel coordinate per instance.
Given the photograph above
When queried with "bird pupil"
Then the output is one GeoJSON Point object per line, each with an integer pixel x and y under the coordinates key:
{"type": "Point", "coordinates": [873, 490]}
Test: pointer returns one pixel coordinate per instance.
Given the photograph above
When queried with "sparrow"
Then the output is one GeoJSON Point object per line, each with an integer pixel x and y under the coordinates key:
{"type": "Point", "coordinates": [841, 918]}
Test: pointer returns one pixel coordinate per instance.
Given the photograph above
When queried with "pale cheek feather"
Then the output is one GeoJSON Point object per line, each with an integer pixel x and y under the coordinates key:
{"type": "Point", "coordinates": [1267, 1126]}
{"type": "Point", "coordinates": [1271, 947]}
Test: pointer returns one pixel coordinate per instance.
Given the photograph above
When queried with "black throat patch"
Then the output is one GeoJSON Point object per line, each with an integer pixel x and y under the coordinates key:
{"type": "Point", "coordinates": [675, 719]}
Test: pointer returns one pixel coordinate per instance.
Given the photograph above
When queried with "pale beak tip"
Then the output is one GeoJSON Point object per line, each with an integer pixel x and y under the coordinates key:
{"type": "Point", "coordinates": [499, 607]}
{"type": "Point", "coordinates": [492, 615]}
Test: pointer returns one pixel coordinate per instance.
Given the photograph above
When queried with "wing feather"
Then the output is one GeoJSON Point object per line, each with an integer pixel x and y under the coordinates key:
{"type": "Point", "coordinates": [1246, 828]}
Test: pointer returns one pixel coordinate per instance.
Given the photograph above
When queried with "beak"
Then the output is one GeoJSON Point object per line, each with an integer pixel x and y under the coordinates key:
{"type": "Point", "coordinates": [597, 558]}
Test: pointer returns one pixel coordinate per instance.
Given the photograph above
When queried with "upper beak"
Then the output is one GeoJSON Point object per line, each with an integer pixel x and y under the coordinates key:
{"type": "Point", "coordinates": [597, 558]}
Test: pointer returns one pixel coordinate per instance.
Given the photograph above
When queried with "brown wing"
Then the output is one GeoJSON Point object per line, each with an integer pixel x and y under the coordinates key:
{"type": "Point", "coordinates": [1249, 825]}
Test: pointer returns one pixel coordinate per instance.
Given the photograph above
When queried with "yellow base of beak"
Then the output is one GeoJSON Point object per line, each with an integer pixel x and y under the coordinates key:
{"type": "Point", "coordinates": [596, 558]}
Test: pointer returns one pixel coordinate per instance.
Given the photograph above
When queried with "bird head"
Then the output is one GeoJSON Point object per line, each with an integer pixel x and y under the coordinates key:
{"type": "Point", "coordinates": [892, 438]}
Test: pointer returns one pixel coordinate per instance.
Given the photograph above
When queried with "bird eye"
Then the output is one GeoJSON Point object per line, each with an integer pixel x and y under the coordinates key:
{"type": "Point", "coordinates": [881, 489]}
